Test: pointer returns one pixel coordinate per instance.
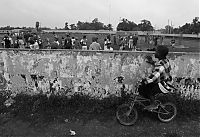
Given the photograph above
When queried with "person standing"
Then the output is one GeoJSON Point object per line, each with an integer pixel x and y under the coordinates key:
{"type": "Point", "coordinates": [122, 44]}
{"type": "Point", "coordinates": [130, 43]}
{"type": "Point", "coordinates": [107, 42]}
{"type": "Point", "coordinates": [55, 44]}
{"type": "Point", "coordinates": [48, 44]}
{"type": "Point", "coordinates": [19, 43]}
{"type": "Point", "coordinates": [95, 45]}
{"type": "Point", "coordinates": [73, 42]}
{"type": "Point", "coordinates": [68, 42]}
{"type": "Point", "coordinates": [77, 44]}
{"type": "Point", "coordinates": [83, 43]}
{"type": "Point", "coordinates": [135, 39]}
{"type": "Point", "coordinates": [7, 41]}
{"type": "Point", "coordinates": [155, 41]}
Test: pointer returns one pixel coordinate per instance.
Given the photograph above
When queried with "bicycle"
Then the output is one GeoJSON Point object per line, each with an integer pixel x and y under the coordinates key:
{"type": "Point", "coordinates": [127, 113]}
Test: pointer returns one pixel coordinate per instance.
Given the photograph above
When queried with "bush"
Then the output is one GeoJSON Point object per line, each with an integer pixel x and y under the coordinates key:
{"type": "Point", "coordinates": [187, 106]}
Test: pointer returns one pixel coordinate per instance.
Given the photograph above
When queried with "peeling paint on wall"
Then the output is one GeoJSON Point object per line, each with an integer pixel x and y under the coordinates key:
{"type": "Point", "coordinates": [95, 74]}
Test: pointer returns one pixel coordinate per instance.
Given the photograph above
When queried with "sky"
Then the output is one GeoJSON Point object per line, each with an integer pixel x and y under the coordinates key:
{"type": "Point", "coordinates": [54, 13]}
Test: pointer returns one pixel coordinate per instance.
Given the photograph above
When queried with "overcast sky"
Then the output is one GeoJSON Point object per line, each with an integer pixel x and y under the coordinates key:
{"type": "Point", "coordinates": [54, 13]}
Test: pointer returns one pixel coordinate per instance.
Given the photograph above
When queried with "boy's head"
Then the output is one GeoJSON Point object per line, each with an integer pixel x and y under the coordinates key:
{"type": "Point", "coordinates": [161, 52]}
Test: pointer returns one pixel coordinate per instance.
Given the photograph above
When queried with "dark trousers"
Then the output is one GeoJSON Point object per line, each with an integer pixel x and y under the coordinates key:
{"type": "Point", "coordinates": [149, 90]}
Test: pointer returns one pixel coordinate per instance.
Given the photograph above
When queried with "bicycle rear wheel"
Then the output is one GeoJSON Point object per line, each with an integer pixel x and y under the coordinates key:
{"type": "Point", "coordinates": [126, 116]}
{"type": "Point", "coordinates": [167, 112]}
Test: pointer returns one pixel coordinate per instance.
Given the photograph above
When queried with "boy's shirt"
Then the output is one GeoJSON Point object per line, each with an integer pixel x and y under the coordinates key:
{"type": "Point", "coordinates": [160, 73]}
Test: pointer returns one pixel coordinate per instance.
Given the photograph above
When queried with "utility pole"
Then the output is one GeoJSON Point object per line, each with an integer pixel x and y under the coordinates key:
{"type": "Point", "coordinates": [109, 11]}
{"type": "Point", "coordinates": [168, 29]}
{"type": "Point", "coordinates": [171, 27]}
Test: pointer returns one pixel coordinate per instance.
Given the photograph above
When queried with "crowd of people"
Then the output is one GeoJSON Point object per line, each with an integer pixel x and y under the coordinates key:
{"type": "Point", "coordinates": [68, 41]}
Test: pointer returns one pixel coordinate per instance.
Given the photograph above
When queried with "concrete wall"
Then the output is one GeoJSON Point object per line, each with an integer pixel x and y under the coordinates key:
{"type": "Point", "coordinates": [67, 72]}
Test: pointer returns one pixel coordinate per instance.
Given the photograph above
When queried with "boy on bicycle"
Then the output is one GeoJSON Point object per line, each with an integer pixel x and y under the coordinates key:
{"type": "Point", "coordinates": [151, 85]}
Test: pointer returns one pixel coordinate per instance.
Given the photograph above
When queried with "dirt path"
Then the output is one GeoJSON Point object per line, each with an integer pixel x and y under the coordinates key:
{"type": "Point", "coordinates": [93, 125]}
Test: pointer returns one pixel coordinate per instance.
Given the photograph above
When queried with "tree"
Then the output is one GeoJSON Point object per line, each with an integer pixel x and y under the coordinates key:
{"type": "Point", "coordinates": [145, 25]}
{"type": "Point", "coordinates": [94, 25]}
{"type": "Point", "coordinates": [195, 26]}
{"type": "Point", "coordinates": [189, 28]}
{"type": "Point", "coordinates": [108, 27]}
{"type": "Point", "coordinates": [66, 26]}
{"type": "Point", "coordinates": [79, 25]}
{"type": "Point", "coordinates": [186, 29]}
{"type": "Point", "coordinates": [126, 25]}
{"type": "Point", "coordinates": [73, 27]}
{"type": "Point", "coordinates": [37, 24]}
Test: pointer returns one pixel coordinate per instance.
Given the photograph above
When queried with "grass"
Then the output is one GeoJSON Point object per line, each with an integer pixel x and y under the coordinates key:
{"type": "Point", "coordinates": [56, 115]}
{"type": "Point", "coordinates": [25, 104]}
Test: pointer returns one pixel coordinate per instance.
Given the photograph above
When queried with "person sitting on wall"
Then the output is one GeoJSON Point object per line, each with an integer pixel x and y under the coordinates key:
{"type": "Point", "coordinates": [160, 75]}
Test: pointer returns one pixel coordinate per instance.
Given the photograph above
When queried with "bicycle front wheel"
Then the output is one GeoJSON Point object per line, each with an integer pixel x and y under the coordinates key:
{"type": "Point", "coordinates": [126, 115]}
{"type": "Point", "coordinates": [167, 112]}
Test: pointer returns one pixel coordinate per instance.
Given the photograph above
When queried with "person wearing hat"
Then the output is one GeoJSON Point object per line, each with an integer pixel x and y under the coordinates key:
{"type": "Point", "coordinates": [157, 80]}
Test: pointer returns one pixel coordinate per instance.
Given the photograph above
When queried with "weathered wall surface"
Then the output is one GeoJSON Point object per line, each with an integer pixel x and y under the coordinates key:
{"type": "Point", "coordinates": [95, 74]}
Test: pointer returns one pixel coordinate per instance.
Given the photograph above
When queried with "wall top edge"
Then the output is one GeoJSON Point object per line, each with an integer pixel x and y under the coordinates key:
{"type": "Point", "coordinates": [99, 51]}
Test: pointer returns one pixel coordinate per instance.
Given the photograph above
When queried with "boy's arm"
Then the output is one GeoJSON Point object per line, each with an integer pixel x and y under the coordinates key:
{"type": "Point", "coordinates": [155, 75]}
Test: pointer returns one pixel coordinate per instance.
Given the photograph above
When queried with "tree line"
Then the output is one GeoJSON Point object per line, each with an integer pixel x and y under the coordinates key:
{"type": "Point", "coordinates": [94, 25]}
{"type": "Point", "coordinates": [123, 25]}
{"type": "Point", "coordinates": [189, 28]}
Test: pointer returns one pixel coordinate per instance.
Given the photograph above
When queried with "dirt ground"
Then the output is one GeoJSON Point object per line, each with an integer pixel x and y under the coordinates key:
{"type": "Point", "coordinates": [104, 124]}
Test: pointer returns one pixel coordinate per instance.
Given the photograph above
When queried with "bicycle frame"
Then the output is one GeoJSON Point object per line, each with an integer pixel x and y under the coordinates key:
{"type": "Point", "coordinates": [138, 99]}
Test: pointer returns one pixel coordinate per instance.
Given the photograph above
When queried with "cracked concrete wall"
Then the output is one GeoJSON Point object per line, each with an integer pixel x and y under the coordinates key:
{"type": "Point", "coordinates": [97, 74]}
